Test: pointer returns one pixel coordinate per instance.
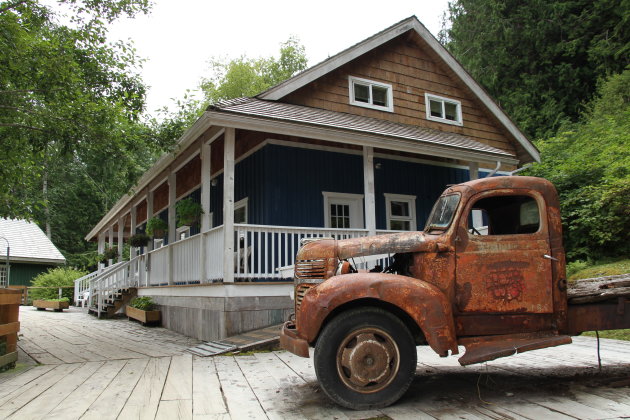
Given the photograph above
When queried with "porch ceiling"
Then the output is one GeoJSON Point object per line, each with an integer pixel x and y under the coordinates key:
{"type": "Point", "coordinates": [398, 136]}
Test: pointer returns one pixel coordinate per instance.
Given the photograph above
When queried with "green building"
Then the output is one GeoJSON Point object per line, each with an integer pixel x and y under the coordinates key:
{"type": "Point", "coordinates": [30, 252]}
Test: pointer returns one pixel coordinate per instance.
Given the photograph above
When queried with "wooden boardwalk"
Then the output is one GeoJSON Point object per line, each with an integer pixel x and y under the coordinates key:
{"type": "Point", "coordinates": [108, 369]}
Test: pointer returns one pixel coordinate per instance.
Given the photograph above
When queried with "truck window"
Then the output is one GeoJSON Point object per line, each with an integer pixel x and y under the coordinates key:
{"type": "Point", "coordinates": [442, 213]}
{"type": "Point", "coordinates": [504, 215]}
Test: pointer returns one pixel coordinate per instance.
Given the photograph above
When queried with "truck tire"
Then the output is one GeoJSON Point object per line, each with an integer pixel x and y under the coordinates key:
{"type": "Point", "coordinates": [365, 358]}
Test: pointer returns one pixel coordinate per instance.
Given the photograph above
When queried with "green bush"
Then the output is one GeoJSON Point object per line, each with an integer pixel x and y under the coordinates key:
{"type": "Point", "coordinates": [54, 278]}
{"type": "Point", "coordinates": [144, 303]}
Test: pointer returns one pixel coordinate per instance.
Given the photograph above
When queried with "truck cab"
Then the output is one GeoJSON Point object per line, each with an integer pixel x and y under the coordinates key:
{"type": "Point", "coordinates": [487, 273]}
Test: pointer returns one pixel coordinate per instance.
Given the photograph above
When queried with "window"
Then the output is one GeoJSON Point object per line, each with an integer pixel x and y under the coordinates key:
{"type": "Point", "coordinates": [444, 110]}
{"type": "Point", "coordinates": [504, 215]}
{"type": "Point", "coordinates": [3, 275]}
{"type": "Point", "coordinates": [240, 211]}
{"type": "Point", "coordinates": [442, 214]}
{"type": "Point", "coordinates": [401, 212]}
{"type": "Point", "coordinates": [343, 211]}
{"type": "Point", "coordinates": [369, 94]}
{"type": "Point", "coordinates": [182, 232]}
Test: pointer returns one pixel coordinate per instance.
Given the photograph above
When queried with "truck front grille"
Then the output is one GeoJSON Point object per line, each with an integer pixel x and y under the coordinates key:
{"type": "Point", "coordinates": [300, 291]}
{"type": "Point", "coordinates": [310, 269]}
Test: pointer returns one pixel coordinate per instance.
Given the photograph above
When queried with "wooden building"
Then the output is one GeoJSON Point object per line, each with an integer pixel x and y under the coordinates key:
{"type": "Point", "coordinates": [360, 144]}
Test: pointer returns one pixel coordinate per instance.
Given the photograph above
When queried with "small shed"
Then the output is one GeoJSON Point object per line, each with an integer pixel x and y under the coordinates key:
{"type": "Point", "coordinates": [30, 252]}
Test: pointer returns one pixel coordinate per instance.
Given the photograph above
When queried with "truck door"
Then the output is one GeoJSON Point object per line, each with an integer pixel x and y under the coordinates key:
{"type": "Point", "coordinates": [502, 247]}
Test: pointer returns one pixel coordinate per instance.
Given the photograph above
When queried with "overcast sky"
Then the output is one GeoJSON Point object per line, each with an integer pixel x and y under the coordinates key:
{"type": "Point", "coordinates": [180, 36]}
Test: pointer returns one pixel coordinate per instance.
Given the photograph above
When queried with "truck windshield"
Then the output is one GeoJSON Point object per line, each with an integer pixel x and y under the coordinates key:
{"type": "Point", "coordinates": [442, 213]}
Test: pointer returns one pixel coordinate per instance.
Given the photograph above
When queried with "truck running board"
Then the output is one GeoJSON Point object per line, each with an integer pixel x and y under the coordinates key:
{"type": "Point", "coordinates": [483, 349]}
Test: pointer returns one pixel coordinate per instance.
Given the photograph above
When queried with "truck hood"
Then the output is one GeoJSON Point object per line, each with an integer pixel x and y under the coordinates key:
{"type": "Point", "coordinates": [373, 245]}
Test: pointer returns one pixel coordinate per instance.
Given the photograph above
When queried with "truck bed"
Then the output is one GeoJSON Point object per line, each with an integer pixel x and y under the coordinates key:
{"type": "Point", "coordinates": [599, 304]}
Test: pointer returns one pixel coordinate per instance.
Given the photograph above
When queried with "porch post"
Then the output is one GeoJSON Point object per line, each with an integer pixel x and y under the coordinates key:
{"type": "Point", "coordinates": [110, 233]}
{"type": "Point", "coordinates": [228, 206]}
{"type": "Point", "coordinates": [205, 185]}
{"type": "Point", "coordinates": [121, 237]}
{"type": "Point", "coordinates": [149, 215]}
{"type": "Point", "coordinates": [172, 217]}
{"type": "Point", "coordinates": [132, 230]}
{"type": "Point", "coordinates": [101, 249]}
{"type": "Point", "coordinates": [368, 181]}
{"type": "Point", "coordinates": [473, 170]}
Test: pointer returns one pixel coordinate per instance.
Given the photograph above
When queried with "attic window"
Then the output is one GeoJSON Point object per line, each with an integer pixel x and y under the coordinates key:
{"type": "Point", "coordinates": [443, 110]}
{"type": "Point", "coordinates": [370, 94]}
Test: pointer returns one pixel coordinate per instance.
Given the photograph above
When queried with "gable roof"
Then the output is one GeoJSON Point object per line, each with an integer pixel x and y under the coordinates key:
{"type": "Point", "coordinates": [27, 243]}
{"type": "Point", "coordinates": [410, 24]}
{"type": "Point", "coordinates": [442, 143]}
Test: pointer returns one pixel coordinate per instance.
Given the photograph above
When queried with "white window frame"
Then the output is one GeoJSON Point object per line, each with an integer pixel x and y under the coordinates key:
{"type": "Point", "coordinates": [411, 200]}
{"type": "Point", "coordinates": [355, 203]}
{"type": "Point", "coordinates": [242, 204]}
{"type": "Point", "coordinates": [436, 98]}
{"type": "Point", "coordinates": [390, 95]}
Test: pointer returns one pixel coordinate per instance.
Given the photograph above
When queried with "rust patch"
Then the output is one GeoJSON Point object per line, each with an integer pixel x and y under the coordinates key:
{"type": "Point", "coordinates": [463, 293]}
{"type": "Point", "coordinates": [505, 281]}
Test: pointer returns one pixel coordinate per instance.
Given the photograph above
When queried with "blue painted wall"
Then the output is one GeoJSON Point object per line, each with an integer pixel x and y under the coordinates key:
{"type": "Point", "coordinates": [284, 185]}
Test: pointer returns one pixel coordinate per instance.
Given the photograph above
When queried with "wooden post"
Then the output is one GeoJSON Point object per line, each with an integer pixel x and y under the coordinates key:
{"type": "Point", "coordinates": [121, 237]}
{"type": "Point", "coordinates": [172, 216]}
{"type": "Point", "coordinates": [473, 170]}
{"type": "Point", "coordinates": [110, 233]}
{"type": "Point", "coordinates": [228, 206]}
{"type": "Point", "coordinates": [132, 231]}
{"type": "Point", "coordinates": [206, 171]}
{"type": "Point", "coordinates": [101, 249]}
{"type": "Point", "coordinates": [368, 181]}
{"type": "Point", "coordinates": [149, 216]}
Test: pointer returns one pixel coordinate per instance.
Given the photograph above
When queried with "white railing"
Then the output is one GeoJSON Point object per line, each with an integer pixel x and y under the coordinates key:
{"type": "Point", "coordinates": [261, 253]}
{"type": "Point", "coordinates": [83, 283]}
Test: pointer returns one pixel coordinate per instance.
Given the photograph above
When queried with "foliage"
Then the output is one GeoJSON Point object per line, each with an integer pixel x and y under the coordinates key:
{"type": "Point", "coordinates": [110, 253]}
{"type": "Point", "coordinates": [144, 303]}
{"type": "Point", "coordinates": [540, 59]}
{"type": "Point", "coordinates": [139, 239]}
{"type": "Point", "coordinates": [156, 226]}
{"type": "Point", "coordinates": [63, 299]}
{"type": "Point", "coordinates": [55, 277]}
{"type": "Point", "coordinates": [614, 334]}
{"type": "Point", "coordinates": [584, 270]}
{"type": "Point", "coordinates": [248, 77]}
{"type": "Point", "coordinates": [188, 212]}
{"type": "Point", "coordinates": [589, 163]}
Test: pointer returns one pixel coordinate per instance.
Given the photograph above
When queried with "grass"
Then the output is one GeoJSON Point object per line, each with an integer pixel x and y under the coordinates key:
{"type": "Point", "coordinates": [582, 270]}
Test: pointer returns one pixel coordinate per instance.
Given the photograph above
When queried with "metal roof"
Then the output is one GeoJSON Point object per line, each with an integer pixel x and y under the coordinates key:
{"type": "Point", "coordinates": [27, 242]}
{"type": "Point", "coordinates": [340, 120]}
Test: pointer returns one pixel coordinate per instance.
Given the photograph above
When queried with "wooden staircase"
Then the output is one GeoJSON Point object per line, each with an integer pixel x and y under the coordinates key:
{"type": "Point", "coordinates": [113, 302]}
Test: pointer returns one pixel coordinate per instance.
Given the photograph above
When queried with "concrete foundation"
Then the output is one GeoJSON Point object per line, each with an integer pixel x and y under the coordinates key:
{"type": "Point", "coordinates": [213, 313]}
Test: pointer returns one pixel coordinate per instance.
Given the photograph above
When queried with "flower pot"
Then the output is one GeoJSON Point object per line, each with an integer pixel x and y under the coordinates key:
{"type": "Point", "coordinates": [143, 316]}
{"type": "Point", "coordinates": [56, 305]}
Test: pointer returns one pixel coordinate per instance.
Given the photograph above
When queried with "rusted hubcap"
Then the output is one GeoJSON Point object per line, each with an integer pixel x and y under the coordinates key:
{"type": "Point", "coordinates": [368, 360]}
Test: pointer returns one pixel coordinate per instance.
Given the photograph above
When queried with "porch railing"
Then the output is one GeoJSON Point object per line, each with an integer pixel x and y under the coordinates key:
{"type": "Point", "coordinates": [260, 253]}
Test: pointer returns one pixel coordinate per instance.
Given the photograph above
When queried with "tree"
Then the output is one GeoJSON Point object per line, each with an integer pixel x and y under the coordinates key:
{"type": "Point", "coordinates": [589, 162]}
{"type": "Point", "coordinates": [248, 77]}
{"type": "Point", "coordinates": [63, 91]}
{"type": "Point", "coordinates": [540, 59]}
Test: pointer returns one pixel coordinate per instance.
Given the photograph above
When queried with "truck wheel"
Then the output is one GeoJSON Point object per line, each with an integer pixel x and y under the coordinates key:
{"type": "Point", "coordinates": [365, 358]}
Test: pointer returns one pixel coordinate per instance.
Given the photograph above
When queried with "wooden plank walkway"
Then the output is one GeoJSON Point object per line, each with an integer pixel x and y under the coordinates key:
{"type": "Point", "coordinates": [144, 373]}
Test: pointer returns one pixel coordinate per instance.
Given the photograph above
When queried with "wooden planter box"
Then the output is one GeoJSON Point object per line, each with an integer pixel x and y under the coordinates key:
{"type": "Point", "coordinates": [51, 304]}
{"type": "Point", "coordinates": [143, 316]}
{"type": "Point", "coordinates": [9, 326]}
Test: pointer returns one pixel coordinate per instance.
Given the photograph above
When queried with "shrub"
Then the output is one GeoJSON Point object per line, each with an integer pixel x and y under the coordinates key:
{"type": "Point", "coordinates": [144, 303]}
{"type": "Point", "coordinates": [55, 277]}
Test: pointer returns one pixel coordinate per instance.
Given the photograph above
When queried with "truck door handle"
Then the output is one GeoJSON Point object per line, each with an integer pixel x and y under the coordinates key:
{"type": "Point", "coordinates": [549, 257]}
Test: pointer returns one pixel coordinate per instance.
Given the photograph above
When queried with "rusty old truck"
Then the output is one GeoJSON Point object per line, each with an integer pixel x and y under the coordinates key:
{"type": "Point", "coordinates": [487, 273]}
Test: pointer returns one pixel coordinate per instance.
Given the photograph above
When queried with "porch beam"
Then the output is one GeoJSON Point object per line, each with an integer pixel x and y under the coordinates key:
{"type": "Point", "coordinates": [473, 170]}
{"type": "Point", "coordinates": [101, 249]}
{"type": "Point", "coordinates": [206, 171]}
{"type": "Point", "coordinates": [121, 237]}
{"type": "Point", "coordinates": [172, 216]}
{"type": "Point", "coordinates": [110, 234]}
{"type": "Point", "coordinates": [228, 205]}
{"type": "Point", "coordinates": [369, 196]}
{"type": "Point", "coordinates": [149, 216]}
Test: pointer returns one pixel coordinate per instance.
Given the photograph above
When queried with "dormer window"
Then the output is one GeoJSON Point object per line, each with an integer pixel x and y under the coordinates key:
{"type": "Point", "coordinates": [443, 110]}
{"type": "Point", "coordinates": [370, 94]}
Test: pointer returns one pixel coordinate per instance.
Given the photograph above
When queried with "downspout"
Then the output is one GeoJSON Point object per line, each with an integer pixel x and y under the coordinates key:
{"type": "Point", "coordinates": [495, 169]}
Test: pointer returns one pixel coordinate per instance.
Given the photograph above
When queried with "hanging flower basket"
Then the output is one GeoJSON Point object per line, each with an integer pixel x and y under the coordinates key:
{"type": "Point", "coordinates": [139, 239]}
{"type": "Point", "coordinates": [188, 212]}
{"type": "Point", "coordinates": [157, 227]}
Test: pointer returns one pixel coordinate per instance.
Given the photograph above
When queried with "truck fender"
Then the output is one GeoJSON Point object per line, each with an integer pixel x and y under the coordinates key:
{"type": "Point", "coordinates": [427, 305]}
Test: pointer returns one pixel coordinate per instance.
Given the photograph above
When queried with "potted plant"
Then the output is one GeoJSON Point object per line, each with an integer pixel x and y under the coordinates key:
{"type": "Point", "coordinates": [142, 309]}
{"type": "Point", "coordinates": [139, 239]}
{"type": "Point", "coordinates": [156, 227]}
{"type": "Point", "coordinates": [110, 253]}
{"type": "Point", "coordinates": [188, 212]}
{"type": "Point", "coordinates": [58, 305]}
